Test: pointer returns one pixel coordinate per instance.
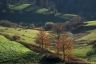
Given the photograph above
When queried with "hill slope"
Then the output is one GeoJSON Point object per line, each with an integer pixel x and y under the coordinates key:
{"type": "Point", "coordinates": [10, 51]}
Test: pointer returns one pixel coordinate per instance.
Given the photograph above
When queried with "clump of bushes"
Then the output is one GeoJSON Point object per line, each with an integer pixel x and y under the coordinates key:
{"type": "Point", "coordinates": [94, 47]}
{"type": "Point", "coordinates": [48, 25]}
{"type": "Point", "coordinates": [15, 37]}
{"type": "Point", "coordinates": [12, 38]}
{"type": "Point", "coordinates": [31, 26]}
{"type": "Point", "coordinates": [7, 23]}
{"type": "Point", "coordinates": [93, 51]}
{"type": "Point", "coordinates": [75, 23]}
{"type": "Point", "coordinates": [89, 53]}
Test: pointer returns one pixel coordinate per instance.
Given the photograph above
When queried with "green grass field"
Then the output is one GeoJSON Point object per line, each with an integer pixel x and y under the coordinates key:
{"type": "Point", "coordinates": [91, 23]}
{"type": "Point", "coordinates": [80, 50]}
{"type": "Point", "coordinates": [24, 36]}
{"type": "Point", "coordinates": [90, 37]}
{"type": "Point", "coordinates": [10, 51]}
{"type": "Point", "coordinates": [19, 50]}
{"type": "Point", "coordinates": [91, 29]}
{"type": "Point", "coordinates": [19, 6]}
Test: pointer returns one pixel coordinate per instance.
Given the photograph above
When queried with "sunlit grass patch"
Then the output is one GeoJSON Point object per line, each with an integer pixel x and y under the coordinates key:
{"type": "Point", "coordinates": [91, 36]}
{"type": "Point", "coordinates": [80, 50]}
{"type": "Point", "coordinates": [26, 35]}
{"type": "Point", "coordinates": [66, 16]}
{"type": "Point", "coordinates": [19, 7]}
{"type": "Point", "coordinates": [10, 50]}
{"type": "Point", "coordinates": [42, 10]}
{"type": "Point", "coordinates": [91, 23]}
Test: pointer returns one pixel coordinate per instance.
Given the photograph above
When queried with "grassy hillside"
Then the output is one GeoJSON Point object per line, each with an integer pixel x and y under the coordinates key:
{"type": "Point", "coordinates": [90, 28]}
{"type": "Point", "coordinates": [30, 13]}
{"type": "Point", "coordinates": [91, 23]}
{"type": "Point", "coordinates": [26, 35]}
{"type": "Point", "coordinates": [10, 51]}
{"type": "Point", "coordinates": [80, 50]}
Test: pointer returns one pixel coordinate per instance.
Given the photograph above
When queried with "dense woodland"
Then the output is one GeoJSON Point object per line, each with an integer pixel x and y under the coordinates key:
{"type": "Point", "coordinates": [86, 8]}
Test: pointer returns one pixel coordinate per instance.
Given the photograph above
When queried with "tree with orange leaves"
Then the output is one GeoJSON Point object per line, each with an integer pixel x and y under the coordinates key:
{"type": "Point", "coordinates": [57, 30]}
{"type": "Point", "coordinates": [42, 38]}
{"type": "Point", "coordinates": [65, 45]}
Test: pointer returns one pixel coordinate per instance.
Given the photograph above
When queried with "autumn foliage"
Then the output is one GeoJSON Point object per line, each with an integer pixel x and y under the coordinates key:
{"type": "Point", "coordinates": [42, 38]}
{"type": "Point", "coordinates": [15, 37]}
{"type": "Point", "coordinates": [64, 45]}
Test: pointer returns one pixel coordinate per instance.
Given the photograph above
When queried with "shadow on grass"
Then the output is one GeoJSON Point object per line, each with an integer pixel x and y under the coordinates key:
{"type": "Point", "coordinates": [50, 59]}
{"type": "Point", "coordinates": [83, 29]}
{"type": "Point", "coordinates": [28, 57]}
{"type": "Point", "coordinates": [30, 17]}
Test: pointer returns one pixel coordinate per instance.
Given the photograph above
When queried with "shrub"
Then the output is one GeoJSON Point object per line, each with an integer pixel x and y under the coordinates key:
{"type": "Point", "coordinates": [93, 51]}
{"type": "Point", "coordinates": [94, 47]}
{"type": "Point", "coordinates": [48, 25]}
{"type": "Point", "coordinates": [13, 25]}
{"type": "Point", "coordinates": [89, 53]}
{"type": "Point", "coordinates": [7, 23]}
{"type": "Point", "coordinates": [15, 37]}
{"type": "Point", "coordinates": [31, 26]}
{"type": "Point", "coordinates": [76, 22]}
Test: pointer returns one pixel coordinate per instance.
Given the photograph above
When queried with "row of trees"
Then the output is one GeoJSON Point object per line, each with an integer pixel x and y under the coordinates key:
{"type": "Point", "coordinates": [71, 25]}
{"type": "Point", "coordinates": [83, 8]}
{"type": "Point", "coordinates": [7, 23]}
{"type": "Point", "coordinates": [63, 45]}
{"type": "Point", "coordinates": [80, 6]}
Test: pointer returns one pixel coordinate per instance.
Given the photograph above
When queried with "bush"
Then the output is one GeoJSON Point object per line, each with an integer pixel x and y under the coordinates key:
{"type": "Point", "coordinates": [76, 22]}
{"type": "Point", "coordinates": [7, 23]}
{"type": "Point", "coordinates": [48, 25]}
{"type": "Point", "coordinates": [94, 45]}
{"type": "Point", "coordinates": [31, 26]}
{"type": "Point", "coordinates": [91, 52]}
{"type": "Point", "coordinates": [15, 37]}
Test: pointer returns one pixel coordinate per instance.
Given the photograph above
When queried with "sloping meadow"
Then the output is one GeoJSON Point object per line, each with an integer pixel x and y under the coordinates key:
{"type": "Point", "coordinates": [10, 50]}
